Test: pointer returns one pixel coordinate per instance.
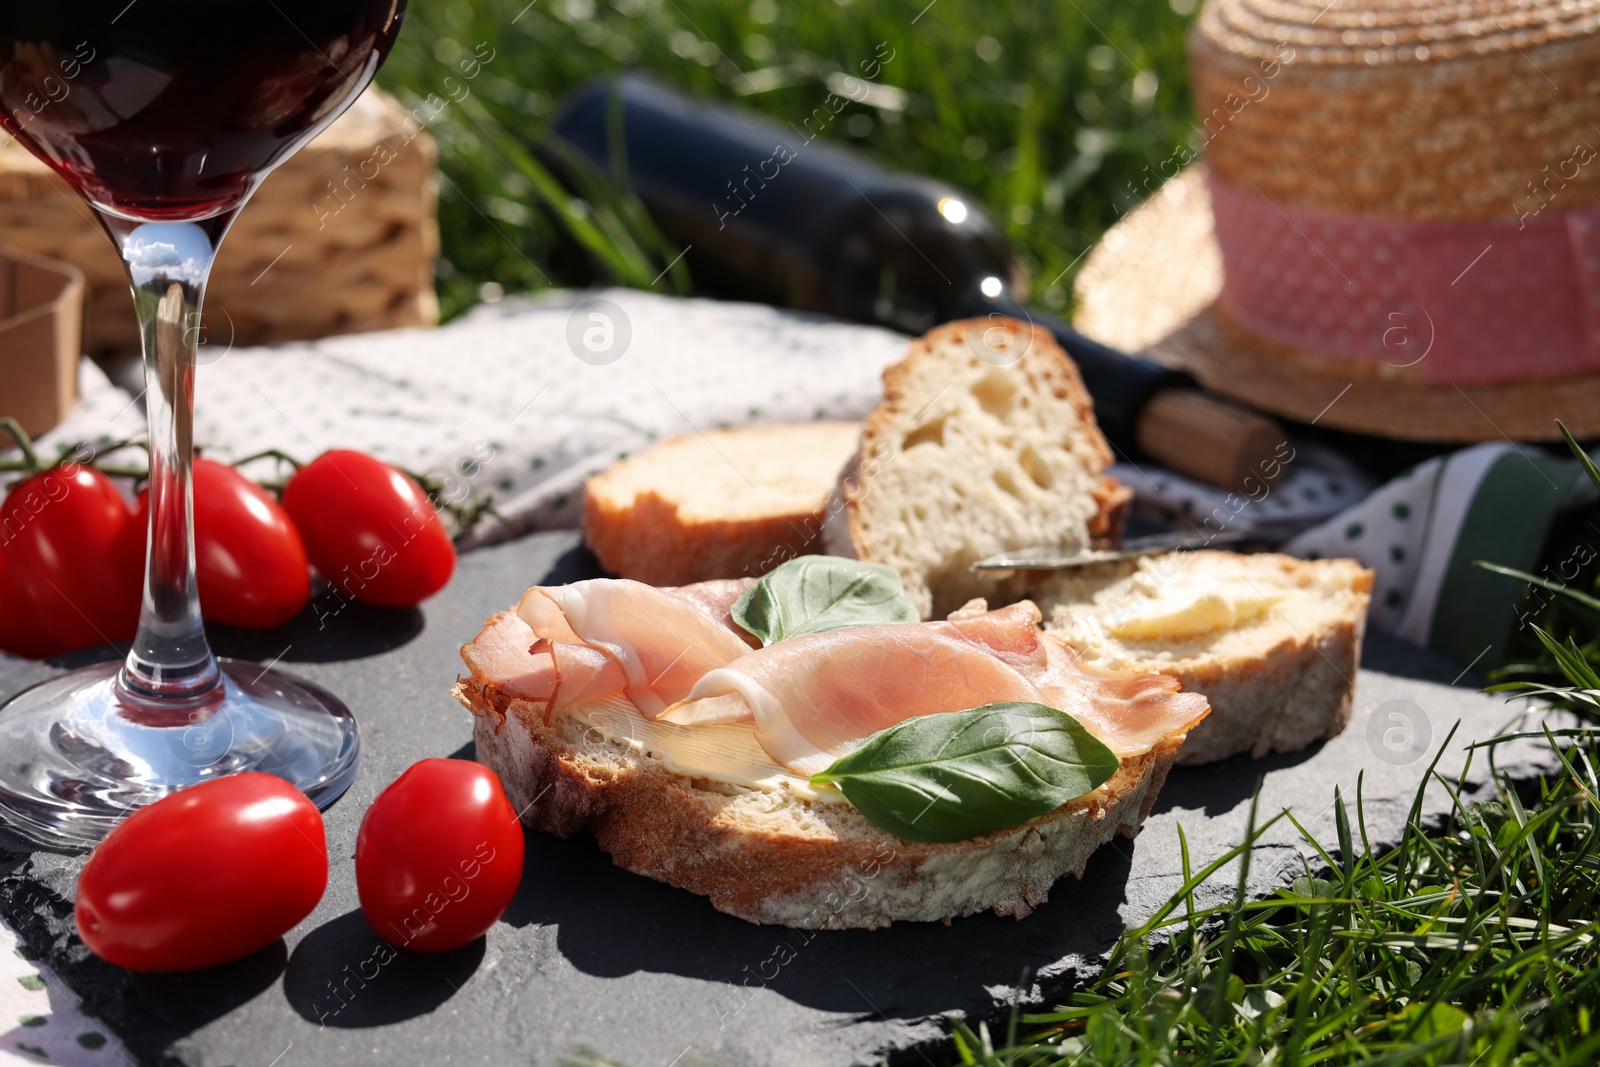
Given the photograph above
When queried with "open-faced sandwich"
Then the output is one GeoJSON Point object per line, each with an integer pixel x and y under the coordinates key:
{"type": "Point", "coordinates": [858, 738]}
{"type": "Point", "coordinates": [803, 751]}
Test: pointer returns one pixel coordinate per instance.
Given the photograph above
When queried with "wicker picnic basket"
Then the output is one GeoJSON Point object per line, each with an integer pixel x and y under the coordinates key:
{"type": "Point", "coordinates": [340, 239]}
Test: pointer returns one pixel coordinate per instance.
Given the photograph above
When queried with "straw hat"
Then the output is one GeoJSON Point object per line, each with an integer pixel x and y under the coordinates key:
{"type": "Point", "coordinates": [1396, 229]}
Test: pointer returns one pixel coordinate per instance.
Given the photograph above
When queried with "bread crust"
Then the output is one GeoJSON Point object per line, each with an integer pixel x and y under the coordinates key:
{"type": "Point", "coordinates": [1283, 698]}
{"type": "Point", "coordinates": [831, 869]}
{"type": "Point", "coordinates": [846, 532]}
{"type": "Point", "coordinates": [650, 541]}
{"type": "Point", "coordinates": [650, 535]}
{"type": "Point", "coordinates": [1298, 696]}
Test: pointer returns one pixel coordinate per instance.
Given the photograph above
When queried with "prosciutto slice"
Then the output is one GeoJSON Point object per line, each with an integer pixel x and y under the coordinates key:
{"type": "Point", "coordinates": [716, 599]}
{"type": "Point", "coordinates": [572, 644]}
{"type": "Point", "coordinates": [814, 698]}
{"type": "Point", "coordinates": [607, 636]}
{"type": "Point", "coordinates": [501, 657]}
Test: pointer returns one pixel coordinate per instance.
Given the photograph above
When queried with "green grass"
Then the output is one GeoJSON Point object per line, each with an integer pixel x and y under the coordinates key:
{"type": "Point", "coordinates": [1470, 944]}
{"type": "Point", "coordinates": [1049, 111]}
{"type": "Point", "coordinates": [1558, 619]}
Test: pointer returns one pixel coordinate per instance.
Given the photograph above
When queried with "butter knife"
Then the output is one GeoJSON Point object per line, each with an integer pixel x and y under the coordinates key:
{"type": "Point", "coordinates": [1265, 534]}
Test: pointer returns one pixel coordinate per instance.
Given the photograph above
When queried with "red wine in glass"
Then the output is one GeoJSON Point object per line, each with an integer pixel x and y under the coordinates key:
{"type": "Point", "coordinates": [165, 115]}
{"type": "Point", "coordinates": [176, 109]}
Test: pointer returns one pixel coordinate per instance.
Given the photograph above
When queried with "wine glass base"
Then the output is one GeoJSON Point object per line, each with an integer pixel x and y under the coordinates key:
{"type": "Point", "coordinates": [76, 757]}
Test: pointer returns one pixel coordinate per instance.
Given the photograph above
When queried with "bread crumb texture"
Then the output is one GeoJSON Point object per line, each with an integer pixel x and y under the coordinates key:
{"type": "Point", "coordinates": [985, 442]}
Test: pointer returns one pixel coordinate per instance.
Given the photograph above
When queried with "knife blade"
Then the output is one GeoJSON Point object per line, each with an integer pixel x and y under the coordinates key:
{"type": "Point", "coordinates": [1266, 534]}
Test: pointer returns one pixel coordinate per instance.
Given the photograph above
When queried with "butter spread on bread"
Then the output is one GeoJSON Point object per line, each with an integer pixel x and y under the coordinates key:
{"type": "Point", "coordinates": [1189, 609]}
{"type": "Point", "coordinates": [1273, 641]}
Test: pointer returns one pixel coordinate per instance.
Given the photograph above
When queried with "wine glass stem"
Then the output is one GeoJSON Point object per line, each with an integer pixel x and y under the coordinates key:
{"type": "Point", "coordinates": [168, 265]}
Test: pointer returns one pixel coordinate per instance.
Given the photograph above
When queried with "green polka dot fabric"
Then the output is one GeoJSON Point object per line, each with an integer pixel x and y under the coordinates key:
{"type": "Point", "coordinates": [1394, 532]}
{"type": "Point", "coordinates": [40, 1020]}
{"type": "Point", "coordinates": [1311, 483]}
{"type": "Point", "coordinates": [1422, 533]}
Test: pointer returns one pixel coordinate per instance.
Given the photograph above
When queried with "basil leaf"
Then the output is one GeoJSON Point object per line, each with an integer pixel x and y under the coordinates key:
{"type": "Point", "coordinates": [959, 774]}
{"type": "Point", "coordinates": [813, 594]}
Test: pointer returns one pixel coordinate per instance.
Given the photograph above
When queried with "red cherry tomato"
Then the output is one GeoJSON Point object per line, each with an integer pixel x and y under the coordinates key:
{"type": "Point", "coordinates": [369, 529]}
{"type": "Point", "coordinates": [439, 856]}
{"type": "Point", "coordinates": [206, 875]}
{"type": "Point", "coordinates": [20, 631]}
{"type": "Point", "coordinates": [249, 561]}
{"type": "Point", "coordinates": [59, 531]}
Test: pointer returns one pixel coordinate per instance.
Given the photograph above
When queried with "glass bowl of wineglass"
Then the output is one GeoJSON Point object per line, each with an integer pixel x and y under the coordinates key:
{"type": "Point", "coordinates": [165, 115]}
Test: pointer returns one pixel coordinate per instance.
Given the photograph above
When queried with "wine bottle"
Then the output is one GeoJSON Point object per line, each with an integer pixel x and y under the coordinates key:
{"type": "Point", "coordinates": [780, 215]}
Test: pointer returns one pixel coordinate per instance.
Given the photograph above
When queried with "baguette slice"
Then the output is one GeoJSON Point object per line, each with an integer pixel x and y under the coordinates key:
{"type": "Point", "coordinates": [985, 442]}
{"type": "Point", "coordinates": [774, 854]}
{"type": "Point", "coordinates": [727, 504]}
{"type": "Point", "coordinates": [1272, 641]}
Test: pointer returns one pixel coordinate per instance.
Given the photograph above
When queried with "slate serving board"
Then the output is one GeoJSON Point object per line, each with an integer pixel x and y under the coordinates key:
{"type": "Point", "coordinates": [591, 956]}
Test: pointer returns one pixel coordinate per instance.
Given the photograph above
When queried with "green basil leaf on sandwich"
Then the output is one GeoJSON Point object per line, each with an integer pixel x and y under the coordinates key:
{"type": "Point", "coordinates": [813, 594]}
{"type": "Point", "coordinates": [960, 774]}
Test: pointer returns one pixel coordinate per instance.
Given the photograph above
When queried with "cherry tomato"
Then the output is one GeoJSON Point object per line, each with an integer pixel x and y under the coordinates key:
{"type": "Point", "coordinates": [207, 875]}
{"type": "Point", "coordinates": [249, 561]}
{"type": "Point", "coordinates": [369, 529]}
{"type": "Point", "coordinates": [59, 531]}
{"type": "Point", "coordinates": [439, 856]}
{"type": "Point", "coordinates": [20, 632]}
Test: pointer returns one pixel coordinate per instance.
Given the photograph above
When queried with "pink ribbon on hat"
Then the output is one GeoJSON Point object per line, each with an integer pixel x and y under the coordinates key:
{"type": "Point", "coordinates": [1469, 303]}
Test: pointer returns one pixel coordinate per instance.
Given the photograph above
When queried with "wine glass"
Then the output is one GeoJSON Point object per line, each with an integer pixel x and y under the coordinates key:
{"type": "Point", "coordinates": [165, 115]}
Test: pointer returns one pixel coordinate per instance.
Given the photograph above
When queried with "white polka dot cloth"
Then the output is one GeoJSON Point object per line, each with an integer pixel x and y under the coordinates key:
{"type": "Point", "coordinates": [528, 398]}
{"type": "Point", "coordinates": [1316, 482]}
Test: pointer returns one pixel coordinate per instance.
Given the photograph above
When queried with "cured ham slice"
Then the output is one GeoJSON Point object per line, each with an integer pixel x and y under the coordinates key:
{"type": "Point", "coordinates": [814, 698]}
{"type": "Point", "coordinates": [502, 655]}
{"type": "Point", "coordinates": [1011, 633]}
{"type": "Point", "coordinates": [1131, 712]}
{"type": "Point", "coordinates": [613, 635]}
{"type": "Point", "coordinates": [518, 663]}
{"type": "Point", "coordinates": [716, 599]}
{"type": "Point", "coordinates": [675, 654]}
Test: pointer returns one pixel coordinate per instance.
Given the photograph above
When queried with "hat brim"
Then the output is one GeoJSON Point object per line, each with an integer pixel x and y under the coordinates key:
{"type": "Point", "coordinates": [1151, 285]}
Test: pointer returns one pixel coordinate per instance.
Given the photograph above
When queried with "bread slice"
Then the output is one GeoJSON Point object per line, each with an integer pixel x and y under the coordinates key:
{"type": "Point", "coordinates": [774, 855]}
{"type": "Point", "coordinates": [727, 504]}
{"type": "Point", "coordinates": [1272, 641]}
{"type": "Point", "coordinates": [985, 441]}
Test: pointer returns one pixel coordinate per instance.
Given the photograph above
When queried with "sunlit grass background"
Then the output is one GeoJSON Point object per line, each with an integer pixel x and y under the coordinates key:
{"type": "Point", "coordinates": [1048, 111]}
